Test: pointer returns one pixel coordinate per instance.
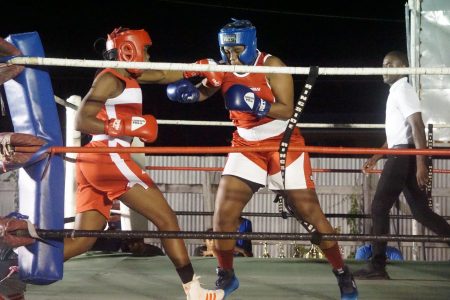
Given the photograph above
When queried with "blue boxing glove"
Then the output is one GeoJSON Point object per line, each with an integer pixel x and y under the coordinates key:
{"type": "Point", "coordinates": [183, 91]}
{"type": "Point", "coordinates": [241, 98]}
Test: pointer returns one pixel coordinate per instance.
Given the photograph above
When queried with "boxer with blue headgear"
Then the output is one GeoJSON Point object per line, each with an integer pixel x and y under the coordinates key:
{"type": "Point", "coordinates": [239, 33]}
{"type": "Point", "coordinates": [260, 105]}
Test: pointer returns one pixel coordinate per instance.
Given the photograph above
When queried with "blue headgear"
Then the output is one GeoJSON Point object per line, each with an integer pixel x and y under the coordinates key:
{"type": "Point", "coordinates": [239, 32]}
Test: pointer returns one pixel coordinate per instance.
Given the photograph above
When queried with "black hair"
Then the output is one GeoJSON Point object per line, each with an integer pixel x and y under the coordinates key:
{"type": "Point", "coordinates": [113, 54]}
{"type": "Point", "coordinates": [400, 56]}
{"type": "Point", "coordinates": [238, 24]}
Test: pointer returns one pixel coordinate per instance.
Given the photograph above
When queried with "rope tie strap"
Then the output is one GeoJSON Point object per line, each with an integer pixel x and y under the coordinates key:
{"type": "Point", "coordinates": [284, 145]}
{"type": "Point", "coordinates": [429, 186]}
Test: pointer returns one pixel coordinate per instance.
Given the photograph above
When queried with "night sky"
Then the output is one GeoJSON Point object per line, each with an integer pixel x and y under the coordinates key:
{"type": "Point", "coordinates": [323, 33]}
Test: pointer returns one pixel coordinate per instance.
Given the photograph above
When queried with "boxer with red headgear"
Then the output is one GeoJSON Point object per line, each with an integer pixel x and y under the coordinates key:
{"type": "Point", "coordinates": [112, 113]}
{"type": "Point", "coordinates": [124, 44]}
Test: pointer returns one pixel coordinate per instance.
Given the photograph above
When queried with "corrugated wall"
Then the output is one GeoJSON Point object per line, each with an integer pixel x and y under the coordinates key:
{"type": "Point", "coordinates": [9, 196]}
{"type": "Point", "coordinates": [337, 192]}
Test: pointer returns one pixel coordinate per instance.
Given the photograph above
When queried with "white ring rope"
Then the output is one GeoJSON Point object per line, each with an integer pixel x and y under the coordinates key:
{"type": "Point", "coordinates": [301, 125]}
{"type": "Point", "coordinates": [65, 62]}
{"type": "Point", "coordinates": [230, 124]}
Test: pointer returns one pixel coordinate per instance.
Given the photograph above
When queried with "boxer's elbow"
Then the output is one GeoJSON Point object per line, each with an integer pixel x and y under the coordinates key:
{"type": "Point", "coordinates": [78, 126]}
{"type": "Point", "coordinates": [280, 111]}
{"type": "Point", "coordinates": [86, 125]}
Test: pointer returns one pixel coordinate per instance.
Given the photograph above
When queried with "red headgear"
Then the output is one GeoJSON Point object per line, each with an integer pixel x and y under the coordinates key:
{"type": "Point", "coordinates": [128, 45]}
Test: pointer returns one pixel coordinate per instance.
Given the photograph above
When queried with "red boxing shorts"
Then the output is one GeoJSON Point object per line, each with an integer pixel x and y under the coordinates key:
{"type": "Point", "coordinates": [264, 167]}
{"type": "Point", "coordinates": [104, 177]}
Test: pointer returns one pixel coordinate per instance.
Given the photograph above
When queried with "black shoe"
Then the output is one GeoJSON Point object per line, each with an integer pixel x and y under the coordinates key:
{"type": "Point", "coordinates": [347, 284]}
{"type": "Point", "coordinates": [226, 281]}
{"type": "Point", "coordinates": [372, 272]}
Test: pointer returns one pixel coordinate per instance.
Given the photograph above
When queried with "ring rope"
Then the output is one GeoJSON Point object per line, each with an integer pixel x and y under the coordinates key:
{"type": "Point", "coordinates": [227, 149]}
{"type": "Point", "coordinates": [228, 123]}
{"type": "Point", "coordinates": [69, 233]}
{"type": "Point", "coordinates": [328, 215]}
{"type": "Point", "coordinates": [220, 169]}
{"type": "Point", "coordinates": [300, 125]}
{"type": "Point", "coordinates": [269, 215]}
{"type": "Point", "coordinates": [84, 63]}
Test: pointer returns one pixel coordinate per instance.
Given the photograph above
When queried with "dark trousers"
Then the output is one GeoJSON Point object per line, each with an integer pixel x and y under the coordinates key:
{"type": "Point", "coordinates": [399, 175]}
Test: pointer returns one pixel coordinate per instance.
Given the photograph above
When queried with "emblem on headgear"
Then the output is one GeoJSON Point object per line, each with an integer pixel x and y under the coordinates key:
{"type": "Point", "coordinates": [239, 32]}
{"type": "Point", "coordinates": [125, 44]}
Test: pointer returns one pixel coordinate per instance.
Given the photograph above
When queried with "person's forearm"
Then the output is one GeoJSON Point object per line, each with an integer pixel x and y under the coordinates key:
{"type": "Point", "coordinates": [377, 157]}
{"type": "Point", "coordinates": [420, 143]}
{"type": "Point", "coordinates": [418, 133]}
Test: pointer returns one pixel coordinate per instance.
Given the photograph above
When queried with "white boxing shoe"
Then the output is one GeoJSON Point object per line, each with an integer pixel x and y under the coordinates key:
{"type": "Point", "coordinates": [194, 291]}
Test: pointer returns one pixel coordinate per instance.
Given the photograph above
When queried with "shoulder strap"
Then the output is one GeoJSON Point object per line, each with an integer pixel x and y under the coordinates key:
{"type": "Point", "coordinates": [129, 81]}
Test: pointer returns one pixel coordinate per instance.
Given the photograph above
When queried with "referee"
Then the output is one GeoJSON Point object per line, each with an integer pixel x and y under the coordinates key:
{"type": "Point", "coordinates": [404, 173]}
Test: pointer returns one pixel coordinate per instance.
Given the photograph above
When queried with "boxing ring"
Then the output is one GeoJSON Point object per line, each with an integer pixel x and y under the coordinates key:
{"type": "Point", "coordinates": [265, 278]}
{"type": "Point", "coordinates": [103, 276]}
{"type": "Point", "coordinates": [119, 276]}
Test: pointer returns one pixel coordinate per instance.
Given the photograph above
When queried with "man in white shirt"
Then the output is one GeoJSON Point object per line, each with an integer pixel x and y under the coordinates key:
{"type": "Point", "coordinates": [401, 173]}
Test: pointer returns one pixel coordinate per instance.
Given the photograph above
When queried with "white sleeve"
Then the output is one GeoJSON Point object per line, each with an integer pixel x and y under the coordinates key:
{"type": "Point", "coordinates": [408, 102]}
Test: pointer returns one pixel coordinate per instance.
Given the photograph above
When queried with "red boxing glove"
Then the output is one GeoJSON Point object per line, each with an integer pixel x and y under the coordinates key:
{"type": "Point", "coordinates": [144, 127]}
{"type": "Point", "coordinates": [213, 79]}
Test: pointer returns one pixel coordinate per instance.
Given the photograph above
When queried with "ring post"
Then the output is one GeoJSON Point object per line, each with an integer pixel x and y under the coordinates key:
{"type": "Point", "coordinates": [41, 185]}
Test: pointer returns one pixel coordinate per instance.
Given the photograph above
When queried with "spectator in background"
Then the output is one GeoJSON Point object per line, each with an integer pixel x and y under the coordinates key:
{"type": "Point", "coordinates": [244, 247]}
{"type": "Point", "coordinates": [137, 247]}
{"type": "Point", "coordinates": [109, 245]}
{"type": "Point", "coordinates": [207, 249]}
{"type": "Point", "coordinates": [365, 253]}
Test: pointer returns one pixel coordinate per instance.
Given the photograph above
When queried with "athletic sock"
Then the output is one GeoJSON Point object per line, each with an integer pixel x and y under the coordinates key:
{"type": "Point", "coordinates": [186, 273]}
{"type": "Point", "coordinates": [225, 259]}
{"type": "Point", "coordinates": [334, 257]}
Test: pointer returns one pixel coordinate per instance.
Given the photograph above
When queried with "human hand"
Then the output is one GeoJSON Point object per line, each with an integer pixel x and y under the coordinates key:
{"type": "Point", "coordinates": [144, 127]}
{"type": "Point", "coordinates": [183, 91]}
{"type": "Point", "coordinates": [213, 79]}
{"type": "Point", "coordinates": [422, 176]}
{"type": "Point", "coordinates": [208, 253]}
{"type": "Point", "coordinates": [242, 98]}
{"type": "Point", "coordinates": [8, 226]}
{"type": "Point", "coordinates": [239, 250]}
{"type": "Point", "coordinates": [369, 165]}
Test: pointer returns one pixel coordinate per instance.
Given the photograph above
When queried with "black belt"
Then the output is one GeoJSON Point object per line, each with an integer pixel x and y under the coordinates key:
{"type": "Point", "coordinates": [404, 146]}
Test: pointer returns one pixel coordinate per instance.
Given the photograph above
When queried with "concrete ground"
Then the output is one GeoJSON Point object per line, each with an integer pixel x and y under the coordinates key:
{"type": "Point", "coordinates": [115, 276]}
